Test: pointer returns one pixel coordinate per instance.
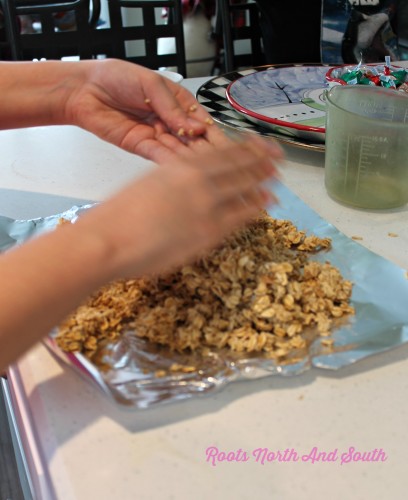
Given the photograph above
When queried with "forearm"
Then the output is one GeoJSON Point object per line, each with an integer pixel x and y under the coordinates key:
{"type": "Point", "coordinates": [43, 281]}
{"type": "Point", "coordinates": [165, 219]}
{"type": "Point", "coordinates": [36, 94]}
{"type": "Point", "coordinates": [46, 278]}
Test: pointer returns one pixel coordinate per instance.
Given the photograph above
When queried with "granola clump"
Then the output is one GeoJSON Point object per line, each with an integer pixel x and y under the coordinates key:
{"type": "Point", "coordinates": [258, 292]}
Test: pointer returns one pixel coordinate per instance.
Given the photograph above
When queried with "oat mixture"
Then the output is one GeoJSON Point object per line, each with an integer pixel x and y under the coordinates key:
{"type": "Point", "coordinates": [258, 292]}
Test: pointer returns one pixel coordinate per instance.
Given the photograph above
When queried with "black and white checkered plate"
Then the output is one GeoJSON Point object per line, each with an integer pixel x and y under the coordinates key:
{"type": "Point", "coordinates": [212, 96]}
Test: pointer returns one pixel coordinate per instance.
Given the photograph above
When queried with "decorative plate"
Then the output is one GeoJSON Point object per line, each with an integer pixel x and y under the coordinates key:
{"type": "Point", "coordinates": [212, 95]}
{"type": "Point", "coordinates": [287, 99]}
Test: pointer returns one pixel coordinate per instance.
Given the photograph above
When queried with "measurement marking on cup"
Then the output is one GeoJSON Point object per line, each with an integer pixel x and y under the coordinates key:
{"type": "Point", "coordinates": [367, 155]}
{"type": "Point", "coordinates": [366, 160]}
{"type": "Point", "coordinates": [347, 163]}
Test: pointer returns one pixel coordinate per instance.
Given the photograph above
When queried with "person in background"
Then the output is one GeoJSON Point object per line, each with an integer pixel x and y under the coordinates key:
{"type": "Point", "coordinates": [204, 186]}
{"type": "Point", "coordinates": [370, 35]}
{"type": "Point", "coordinates": [315, 31]}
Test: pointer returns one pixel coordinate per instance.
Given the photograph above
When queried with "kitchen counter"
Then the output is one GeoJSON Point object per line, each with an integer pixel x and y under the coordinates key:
{"type": "Point", "coordinates": [81, 446]}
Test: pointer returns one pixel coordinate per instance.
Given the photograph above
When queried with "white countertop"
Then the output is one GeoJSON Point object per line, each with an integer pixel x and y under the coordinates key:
{"type": "Point", "coordinates": [90, 449]}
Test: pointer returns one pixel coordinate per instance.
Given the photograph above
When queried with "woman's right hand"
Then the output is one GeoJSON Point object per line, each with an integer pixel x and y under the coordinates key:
{"type": "Point", "coordinates": [169, 217]}
{"type": "Point", "coordinates": [184, 207]}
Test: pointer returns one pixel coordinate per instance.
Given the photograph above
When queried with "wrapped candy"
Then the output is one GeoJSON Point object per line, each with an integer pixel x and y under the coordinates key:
{"type": "Point", "coordinates": [381, 75]}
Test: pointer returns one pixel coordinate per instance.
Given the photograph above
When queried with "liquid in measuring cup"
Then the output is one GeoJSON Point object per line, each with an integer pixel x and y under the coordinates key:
{"type": "Point", "coordinates": [364, 172]}
{"type": "Point", "coordinates": [366, 154]}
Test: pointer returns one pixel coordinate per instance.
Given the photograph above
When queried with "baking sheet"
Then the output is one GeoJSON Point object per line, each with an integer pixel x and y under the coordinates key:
{"type": "Point", "coordinates": [380, 295]}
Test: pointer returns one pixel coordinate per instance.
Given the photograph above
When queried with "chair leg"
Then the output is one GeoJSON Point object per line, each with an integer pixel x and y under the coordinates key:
{"type": "Point", "coordinates": [223, 11]}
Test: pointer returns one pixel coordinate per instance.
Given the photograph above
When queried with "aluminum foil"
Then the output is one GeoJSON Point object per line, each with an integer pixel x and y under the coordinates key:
{"type": "Point", "coordinates": [380, 295]}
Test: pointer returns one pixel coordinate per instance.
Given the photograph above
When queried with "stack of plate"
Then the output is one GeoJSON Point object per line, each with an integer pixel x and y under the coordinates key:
{"type": "Point", "coordinates": [285, 102]}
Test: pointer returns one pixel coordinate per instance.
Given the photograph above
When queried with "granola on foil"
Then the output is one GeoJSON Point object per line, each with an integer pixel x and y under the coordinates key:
{"type": "Point", "coordinates": [258, 292]}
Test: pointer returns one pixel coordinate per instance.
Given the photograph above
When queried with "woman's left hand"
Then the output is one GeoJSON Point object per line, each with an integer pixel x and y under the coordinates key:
{"type": "Point", "coordinates": [137, 109]}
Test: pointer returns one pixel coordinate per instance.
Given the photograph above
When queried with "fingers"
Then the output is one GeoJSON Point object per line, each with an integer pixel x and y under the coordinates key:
{"type": "Point", "coordinates": [167, 147]}
{"type": "Point", "coordinates": [185, 207]}
{"type": "Point", "coordinates": [231, 174]}
{"type": "Point", "coordinates": [162, 150]}
{"type": "Point", "coordinates": [190, 104]}
{"type": "Point", "coordinates": [217, 137]}
{"type": "Point", "coordinates": [244, 165]}
{"type": "Point", "coordinates": [240, 175]}
{"type": "Point", "coordinates": [175, 106]}
{"type": "Point", "coordinates": [244, 208]}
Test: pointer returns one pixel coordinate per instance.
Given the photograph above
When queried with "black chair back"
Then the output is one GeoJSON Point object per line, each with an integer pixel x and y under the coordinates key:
{"type": "Point", "coordinates": [131, 22]}
{"type": "Point", "coordinates": [146, 33]}
{"type": "Point", "coordinates": [49, 41]}
{"type": "Point", "coordinates": [238, 20]}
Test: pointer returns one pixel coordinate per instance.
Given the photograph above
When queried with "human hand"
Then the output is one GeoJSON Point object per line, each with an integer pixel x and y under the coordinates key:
{"type": "Point", "coordinates": [183, 208]}
{"type": "Point", "coordinates": [136, 108]}
{"type": "Point", "coordinates": [171, 216]}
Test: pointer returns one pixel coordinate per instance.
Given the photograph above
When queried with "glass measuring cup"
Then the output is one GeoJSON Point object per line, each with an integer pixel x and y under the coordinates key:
{"type": "Point", "coordinates": [366, 158]}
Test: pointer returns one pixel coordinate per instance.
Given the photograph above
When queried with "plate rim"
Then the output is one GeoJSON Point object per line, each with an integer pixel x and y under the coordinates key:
{"type": "Point", "coordinates": [285, 139]}
{"type": "Point", "coordinates": [253, 114]}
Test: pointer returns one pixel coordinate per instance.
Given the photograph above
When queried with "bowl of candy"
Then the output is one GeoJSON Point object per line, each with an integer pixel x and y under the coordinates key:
{"type": "Point", "coordinates": [378, 74]}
